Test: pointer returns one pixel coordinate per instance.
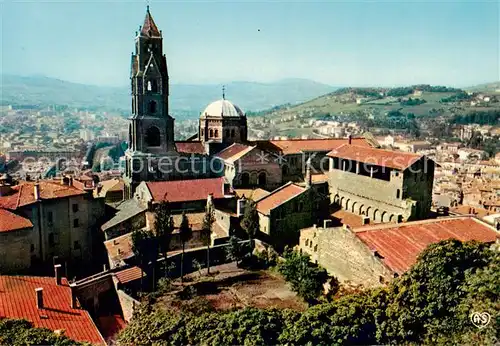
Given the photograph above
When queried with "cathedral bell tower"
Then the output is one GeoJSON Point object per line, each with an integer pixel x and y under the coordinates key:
{"type": "Point", "coordinates": [151, 128]}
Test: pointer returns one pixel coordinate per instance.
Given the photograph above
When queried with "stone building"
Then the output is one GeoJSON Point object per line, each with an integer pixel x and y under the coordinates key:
{"type": "Point", "coordinates": [382, 185]}
{"type": "Point", "coordinates": [373, 255]}
{"type": "Point", "coordinates": [63, 217]}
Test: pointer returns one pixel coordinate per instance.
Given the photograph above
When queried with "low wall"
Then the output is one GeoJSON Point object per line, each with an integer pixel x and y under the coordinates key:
{"type": "Point", "coordinates": [128, 304]}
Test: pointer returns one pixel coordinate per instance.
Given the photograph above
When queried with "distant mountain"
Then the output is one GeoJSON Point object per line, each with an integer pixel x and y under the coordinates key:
{"type": "Point", "coordinates": [185, 99]}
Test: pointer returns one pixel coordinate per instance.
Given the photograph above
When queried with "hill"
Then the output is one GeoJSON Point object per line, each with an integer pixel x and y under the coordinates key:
{"type": "Point", "coordinates": [186, 100]}
{"type": "Point", "coordinates": [486, 88]}
{"type": "Point", "coordinates": [374, 107]}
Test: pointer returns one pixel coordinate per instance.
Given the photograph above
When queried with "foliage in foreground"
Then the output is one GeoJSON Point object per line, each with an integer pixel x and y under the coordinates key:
{"type": "Point", "coordinates": [22, 333]}
{"type": "Point", "coordinates": [430, 304]}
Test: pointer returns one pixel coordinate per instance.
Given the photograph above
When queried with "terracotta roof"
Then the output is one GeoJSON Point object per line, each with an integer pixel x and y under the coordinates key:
{"type": "Point", "coordinates": [11, 222]}
{"type": "Point", "coordinates": [186, 190]}
{"type": "Point", "coordinates": [188, 147]}
{"type": "Point", "coordinates": [149, 27]}
{"type": "Point", "coordinates": [347, 218]}
{"type": "Point", "coordinates": [380, 157]}
{"type": "Point", "coordinates": [232, 150]}
{"type": "Point", "coordinates": [253, 194]}
{"type": "Point", "coordinates": [278, 197]}
{"type": "Point", "coordinates": [24, 194]}
{"type": "Point", "coordinates": [18, 301]}
{"type": "Point", "coordinates": [297, 146]}
{"type": "Point", "coordinates": [119, 248]}
{"type": "Point", "coordinates": [128, 275]}
{"type": "Point", "coordinates": [467, 209]}
{"type": "Point", "coordinates": [110, 185]}
{"type": "Point", "coordinates": [400, 244]}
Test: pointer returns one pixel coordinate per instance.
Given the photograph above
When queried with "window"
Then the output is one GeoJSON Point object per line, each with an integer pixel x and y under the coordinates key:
{"type": "Point", "coordinates": [76, 223]}
{"type": "Point", "coordinates": [211, 133]}
{"type": "Point", "coordinates": [76, 245]}
{"type": "Point", "coordinates": [153, 138]}
{"type": "Point", "coordinates": [216, 133]}
{"type": "Point", "coordinates": [233, 133]}
{"type": "Point", "coordinates": [152, 107]}
{"type": "Point", "coordinates": [398, 193]}
{"type": "Point", "coordinates": [227, 133]}
{"type": "Point", "coordinates": [75, 208]}
{"type": "Point", "coordinates": [50, 217]}
{"type": "Point", "coordinates": [307, 242]}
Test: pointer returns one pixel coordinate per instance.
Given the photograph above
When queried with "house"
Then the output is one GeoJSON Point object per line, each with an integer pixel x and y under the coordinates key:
{"type": "Point", "coordinates": [111, 190]}
{"type": "Point", "coordinates": [47, 302]}
{"type": "Point", "coordinates": [382, 185]}
{"type": "Point", "coordinates": [63, 217]}
{"type": "Point", "coordinates": [373, 255]}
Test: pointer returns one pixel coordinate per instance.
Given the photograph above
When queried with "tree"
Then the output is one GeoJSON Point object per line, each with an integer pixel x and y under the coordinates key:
{"type": "Point", "coordinates": [185, 233]}
{"type": "Point", "coordinates": [305, 277]}
{"type": "Point", "coordinates": [236, 251]}
{"type": "Point", "coordinates": [145, 249]}
{"type": "Point", "coordinates": [206, 229]}
{"type": "Point", "coordinates": [22, 332]}
{"type": "Point", "coordinates": [164, 227]}
{"type": "Point", "coordinates": [250, 221]}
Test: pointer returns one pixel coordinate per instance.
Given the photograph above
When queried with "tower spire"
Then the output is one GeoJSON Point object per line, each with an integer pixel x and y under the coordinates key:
{"type": "Point", "coordinates": [223, 92]}
{"type": "Point", "coordinates": [149, 27]}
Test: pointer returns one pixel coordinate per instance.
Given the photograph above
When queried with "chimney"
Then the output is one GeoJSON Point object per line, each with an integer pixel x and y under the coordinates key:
{"type": "Point", "coordinates": [349, 139]}
{"type": "Point", "coordinates": [58, 274]}
{"type": "Point", "coordinates": [39, 297]}
{"type": "Point", "coordinates": [36, 191]}
{"type": "Point", "coordinates": [74, 300]}
{"type": "Point", "coordinates": [365, 220]}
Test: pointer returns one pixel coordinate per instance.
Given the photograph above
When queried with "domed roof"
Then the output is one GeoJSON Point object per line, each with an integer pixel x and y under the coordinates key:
{"type": "Point", "coordinates": [222, 108]}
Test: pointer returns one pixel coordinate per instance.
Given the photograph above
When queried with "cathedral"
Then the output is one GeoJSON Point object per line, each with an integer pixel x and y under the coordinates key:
{"type": "Point", "coordinates": [219, 148]}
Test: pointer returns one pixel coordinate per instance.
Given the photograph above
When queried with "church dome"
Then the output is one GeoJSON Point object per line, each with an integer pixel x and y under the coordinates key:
{"type": "Point", "coordinates": [222, 108]}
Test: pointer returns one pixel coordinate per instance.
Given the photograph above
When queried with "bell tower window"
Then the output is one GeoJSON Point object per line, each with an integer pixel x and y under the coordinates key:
{"type": "Point", "coordinates": [153, 138]}
{"type": "Point", "coordinates": [152, 107]}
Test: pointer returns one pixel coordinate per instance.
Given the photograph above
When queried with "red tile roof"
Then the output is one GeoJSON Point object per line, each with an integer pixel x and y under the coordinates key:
{"type": "Point", "coordinates": [190, 147]}
{"type": "Point", "coordinates": [24, 194]}
{"type": "Point", "coordinates": [278, 197]}
{"type": "Point", "coordinates": [11, 222]}
{"type": "Point", "coordinates": [296, 146]}
{"type": "Point", "coordinates": [130, 274]}
{"type": "Point", "coordinates": [149, 27]}
{"type": "Point", "coordinates": [400, 244]}
{"type": "Point", "coordinates": [18, 301]}
{"type": "Point", "coordinates": [186, 190]}
{"type": "Point", "coordinates": [232, 150]}
{"type": "Point", "coordinates": [380, 157]}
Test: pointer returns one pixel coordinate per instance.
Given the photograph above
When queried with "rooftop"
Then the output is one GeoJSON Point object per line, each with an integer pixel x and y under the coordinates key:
{"type": "Point", "coordinates": [234, 151]}
{"type": "Point", "coordinates": [253, 194]}
{"type": "Point", "coordinates": [18, 301]}
{"type": "Point", "coordinates": [188, 147]}
{"type": "Point", "coordinates": [278, 197]}
{"type": "Point", "coordinates": [222, 108]}
{"type": "Point", "coordinates": [12, 222]}
{"type": "Point", "coordinates": [186, 190]}
{"type": "Point", "coordinates": [297, 146]}
{"type": "Point", "coordinates": [379, 157]}
{"type": "Point", "coordinates": [24, 193]}
{"type": "Point", "coordinates": [400, 244]}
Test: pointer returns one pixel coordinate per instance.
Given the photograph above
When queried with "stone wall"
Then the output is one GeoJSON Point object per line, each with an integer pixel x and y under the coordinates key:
{"type": "Point", "coordinates": [344, 256]}
{"type": "Point", "coordinates": [254, 163]}
{"type": "Point", "coordinates": [15, 255]}
{"type": "Point", "coordinates": [128, 304]}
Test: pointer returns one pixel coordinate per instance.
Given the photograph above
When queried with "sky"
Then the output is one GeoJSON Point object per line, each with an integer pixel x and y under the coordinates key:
{"type": "Point", "coordinates": [348, 43]}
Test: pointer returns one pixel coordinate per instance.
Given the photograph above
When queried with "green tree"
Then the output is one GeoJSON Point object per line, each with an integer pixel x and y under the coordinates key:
{"type": "Point", "coordinates": [185, 233]}
{"type": "Point", "coordinates": [164, 227]}
{"type": "Point", "coordinates": [237, 251]}
{"type": "Point", "coordinates": [145, 249]}
{"type": "Point", "coordinates": [250, 220]}
{"type": "Point", "coordinates": [22, 332]}
{"type": "Point", "coordinates": [206, 229]}
{"type": "Point", "coordinates": [305, 277]}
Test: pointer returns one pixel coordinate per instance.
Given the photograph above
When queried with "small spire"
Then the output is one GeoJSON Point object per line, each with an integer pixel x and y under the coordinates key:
{"type": "Point", "coordinates": [223, 92]}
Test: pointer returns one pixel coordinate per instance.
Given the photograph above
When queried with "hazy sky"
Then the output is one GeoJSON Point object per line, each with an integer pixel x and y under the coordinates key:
{"type": "Point", "coordinates": [338, 43]}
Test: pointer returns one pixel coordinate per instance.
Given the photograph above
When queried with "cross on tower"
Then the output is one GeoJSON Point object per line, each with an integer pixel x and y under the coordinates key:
{"type": "Point", "coordinates": [223, 92]}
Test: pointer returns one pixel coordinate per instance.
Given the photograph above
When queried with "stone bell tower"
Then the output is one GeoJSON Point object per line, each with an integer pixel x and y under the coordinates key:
{"type": "Point", "coordinates": [151, 128]}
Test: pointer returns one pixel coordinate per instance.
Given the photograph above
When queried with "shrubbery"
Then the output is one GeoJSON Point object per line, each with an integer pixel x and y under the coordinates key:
{"type": "Point", "coordinates": [22, 333]}
{"type": "Point", "coordinates": [430, 304]}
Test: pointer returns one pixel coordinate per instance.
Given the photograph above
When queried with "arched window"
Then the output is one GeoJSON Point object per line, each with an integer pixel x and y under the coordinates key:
{"type": "Point", "coordinates": [153, 138]}
{"type": "Point", "coordinates": [245, 179]}
{"type": "Point", "coordinates": [152, 107]}
{"type": "Point", "coordinates": [211, 133]}
{"type": "Point", "coordinates": [216, 133]}
{"type": "Point", "coordinates": [130, 135]}
{"type": "Point", "coordinates": [233, 133]}
{"type": "Point", "coordinates": [154, 86]}
{"type": "Point", "coordinates": [202, 132]}
{"type": "Point", "coordinates": [398, 192]}
{"type": "Point", "coordinates": [149, 85]}
{"type": "Point", "coordinates": [262, 179]}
